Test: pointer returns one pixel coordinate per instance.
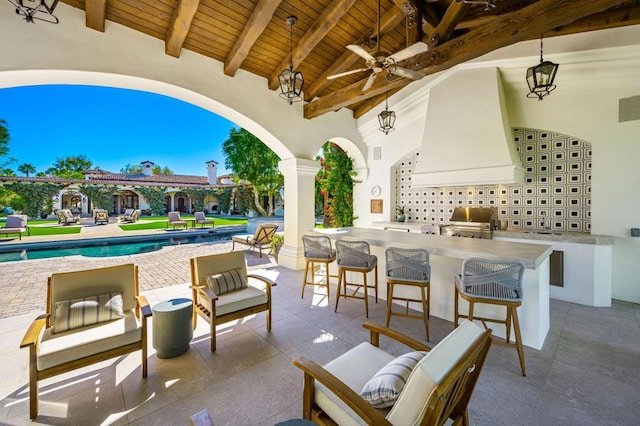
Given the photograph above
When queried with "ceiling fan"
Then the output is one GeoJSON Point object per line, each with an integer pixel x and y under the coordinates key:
{"type": "Point", "coordinates": [382, 61]}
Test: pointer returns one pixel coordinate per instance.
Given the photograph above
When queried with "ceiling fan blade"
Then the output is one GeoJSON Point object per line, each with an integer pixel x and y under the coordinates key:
{"type": "Point", "coordinates": [361, 51]}
{"type": "Point", "coordinates": [369, 82]}
{"type": "Point", "coordinates": [409, 52]}
{"type": "Point", "coordinates": [406, 73]}
{"type": "Point", "coordinates": [342, 74]}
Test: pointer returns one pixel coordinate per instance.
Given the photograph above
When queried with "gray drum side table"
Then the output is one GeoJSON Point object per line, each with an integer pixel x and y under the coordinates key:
{"type": "Point", "coordinates": [172, 327]}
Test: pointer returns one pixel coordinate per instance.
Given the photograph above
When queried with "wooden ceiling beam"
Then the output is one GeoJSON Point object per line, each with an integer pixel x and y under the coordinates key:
{"type": "Point", "coordinates": [96, 11]}
{"type": "Point", "coordinates": [327, 20]}
{"type": "Point", "coordinates": [180, 25]}
{"type": "Point", "coordinates": [509, 29]}
{"type": "Point", "coordinates": [454, 14]}
{"type": "Point", "coordinates": [388, 21]}
{"type": "Point", "coordinates": [256, 24]}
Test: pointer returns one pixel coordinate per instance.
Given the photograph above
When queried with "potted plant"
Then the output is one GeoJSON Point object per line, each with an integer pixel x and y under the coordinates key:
{"type": "Point", "coordinates": [276, 244]}
{"type": "Point", "coordinates": [400, 213]}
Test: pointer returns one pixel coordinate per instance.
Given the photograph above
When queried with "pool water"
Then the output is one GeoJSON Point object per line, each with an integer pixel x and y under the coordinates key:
{"type": "Point", "coordinates": [106, 248]}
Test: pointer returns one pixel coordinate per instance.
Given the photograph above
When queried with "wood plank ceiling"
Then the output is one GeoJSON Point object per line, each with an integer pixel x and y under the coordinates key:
{"type": "Point", "coordinates": [253, 35]}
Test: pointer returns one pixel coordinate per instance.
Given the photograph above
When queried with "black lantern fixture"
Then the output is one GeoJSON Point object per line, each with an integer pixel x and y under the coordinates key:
{"type": "Point", "coordinates": [540, 78]}
{"type": "Point", "coordinates": [386, 118]}
{"type": "Point", "coordinates": [291, 82]}
{"type": "Point", "coordinates": [32, 10]}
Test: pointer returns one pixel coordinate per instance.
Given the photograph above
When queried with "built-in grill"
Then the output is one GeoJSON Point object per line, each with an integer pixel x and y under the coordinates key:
{"type": "Point", "coordinates": [472, 222]}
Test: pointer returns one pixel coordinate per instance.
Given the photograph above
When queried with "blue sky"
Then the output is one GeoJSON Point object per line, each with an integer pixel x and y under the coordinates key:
{"type": "Point", "coordinates": [111, 127]}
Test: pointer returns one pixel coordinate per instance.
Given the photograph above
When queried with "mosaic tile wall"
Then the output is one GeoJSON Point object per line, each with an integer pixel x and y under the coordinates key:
{"type": "Point", "coordinates": [556, 192]}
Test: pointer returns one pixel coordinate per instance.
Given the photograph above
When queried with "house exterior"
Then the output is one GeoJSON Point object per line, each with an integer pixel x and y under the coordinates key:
{"type": "Point", "coordinates": [127, 194]}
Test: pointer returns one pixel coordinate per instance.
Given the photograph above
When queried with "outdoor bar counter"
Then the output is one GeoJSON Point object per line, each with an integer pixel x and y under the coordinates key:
{"type": "Point", "coordinates": [446, 256]}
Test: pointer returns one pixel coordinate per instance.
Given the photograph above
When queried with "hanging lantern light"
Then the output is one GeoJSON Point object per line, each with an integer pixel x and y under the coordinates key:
{"type": "Point", "coordinates": [40, 10]}
{"type": "Point", "coordinates": [386, 118]}
{"type": "Point", "coordinates": [291, 82]}
{"type": "Point", "coordinates": [540, 78]}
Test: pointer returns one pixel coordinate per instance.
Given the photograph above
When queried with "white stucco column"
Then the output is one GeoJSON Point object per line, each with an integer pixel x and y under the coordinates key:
{"type": "Point", "coordinates": [299, 216]}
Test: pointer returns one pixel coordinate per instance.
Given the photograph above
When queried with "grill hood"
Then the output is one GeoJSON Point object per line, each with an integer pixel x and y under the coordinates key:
{"type": "Point", "coordinates": [467, 138]}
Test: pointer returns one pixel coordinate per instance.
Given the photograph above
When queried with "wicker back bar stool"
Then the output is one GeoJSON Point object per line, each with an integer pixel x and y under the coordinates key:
{"type": "Point", "coordinates": [495, 282]}
{"type": "Point", "coordinates": [355, 256]}
{"type": "Point", "coordinates": [317, 250]}
{"type": "Point", "coordinates": [408, 267]}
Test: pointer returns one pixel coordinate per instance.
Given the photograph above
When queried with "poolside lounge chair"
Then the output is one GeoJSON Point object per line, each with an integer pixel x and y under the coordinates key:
{"type": "Point", "coordinates": [65, 217]}
{"type": "Point", "coordinates": [127, 214]}
{"type": "Point", "coordinates": [91, 315]}
{"type": "Point", "coordinates": [174, 220]}
{"type": "Point", "coordinates": [202, 220]}
{"type": "Point", "coordinates": [15, 224]}
{"type": "Point", "coordinates": [261, 238]}
{"type": "Point", "coordinates": [100, 216]}
{"type": "Point", "coordinates": [132, 217]}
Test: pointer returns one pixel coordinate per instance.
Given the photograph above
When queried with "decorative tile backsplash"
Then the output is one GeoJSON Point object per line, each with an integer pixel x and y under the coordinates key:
{"type": "Point", "coordinates": [556, 192]}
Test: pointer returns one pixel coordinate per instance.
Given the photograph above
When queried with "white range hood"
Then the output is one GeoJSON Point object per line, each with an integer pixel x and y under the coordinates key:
{"type": "Point", "coordinates": [467, 138]}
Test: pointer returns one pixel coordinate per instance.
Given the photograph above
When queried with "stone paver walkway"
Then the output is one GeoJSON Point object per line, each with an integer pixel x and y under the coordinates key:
{"type": "Point", "coordinates": [23, 284]}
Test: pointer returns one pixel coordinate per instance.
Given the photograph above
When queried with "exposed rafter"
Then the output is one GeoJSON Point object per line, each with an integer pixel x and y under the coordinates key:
{"type": "Point", "coordinates": [504, 31]}
{"type": "Point", "coordinates": [327, 20]}
{"type": "Point", "coordinates": [96, 11]}
{"type": "Point", "coordinates": [258, 21]}
{"type": "Point", "coordinates": [180, 26]}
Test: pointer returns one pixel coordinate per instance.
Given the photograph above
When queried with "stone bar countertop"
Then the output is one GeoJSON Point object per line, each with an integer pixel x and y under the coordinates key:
{"type": "Point", "coordinates": [532, 255]}
{"type": "Point", "coordinates": [563, 237]}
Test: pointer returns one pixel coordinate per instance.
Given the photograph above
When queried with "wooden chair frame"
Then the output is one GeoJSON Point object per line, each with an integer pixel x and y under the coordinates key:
{"type": "Point", "coordinates": [31, 340]}
{"type": "Point", "coordinates": [203, 296]}
{"type": "Point", "coordinates": [175, 220]}
{"type": "Point", "coordinates": [449, 400]}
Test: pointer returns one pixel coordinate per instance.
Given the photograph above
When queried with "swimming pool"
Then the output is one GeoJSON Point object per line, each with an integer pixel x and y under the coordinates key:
{"type": "Point", "coordinates": [105, 247]}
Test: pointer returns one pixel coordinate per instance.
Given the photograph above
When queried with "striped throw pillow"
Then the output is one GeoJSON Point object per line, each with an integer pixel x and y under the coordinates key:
{"type": "Point", "coordinates": [227, 281]}
{"type": "Point", "coordinates": [75, 313]}
{"type": "Point", "coordinates": [384, 388]}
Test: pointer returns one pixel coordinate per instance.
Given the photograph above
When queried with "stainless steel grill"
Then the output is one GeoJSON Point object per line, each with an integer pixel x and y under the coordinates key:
{"type": "Point", "coordinates": [472, 222]}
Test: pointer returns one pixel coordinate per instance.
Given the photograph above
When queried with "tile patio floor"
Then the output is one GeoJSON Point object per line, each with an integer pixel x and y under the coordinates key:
{"type": "Point", "coordinates": [588, 372]}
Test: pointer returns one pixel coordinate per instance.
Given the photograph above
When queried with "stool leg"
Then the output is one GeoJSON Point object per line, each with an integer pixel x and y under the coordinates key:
{"type": "Point", "coordinates": [389, 301]}
{"type": "Point", "coordinates": [516, 326]}
{"type": "Point", "coordinates": [304, 277]}
{"type": "Point", "coordinates": [428, 300]}
{"type": "Point", "coordinates": [366, 296]}
{"type": "Point", "coordinates": [425, 314]}
{"type": "Point", "coordinates": [455, 308]}
{"type": "Point", "coordinates": [376, 281]}
{"type": "Point", "coordinates": [340, 273]}
{"type": "Point", "coordinates": [470, 315]}
{"type": "Point", "coordinates": [326, 270]}
{"type": "Point", "coordinates": [508, 325]}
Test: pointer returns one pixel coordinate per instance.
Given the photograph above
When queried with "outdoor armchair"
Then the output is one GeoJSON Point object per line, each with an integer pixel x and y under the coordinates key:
{"type": "Point", "coordinates": [100, 216]}
{"type": "Point", "coordinates": [223, 291]}
{"type": "Point", "coordinates": [367, 385]}
{"type": "Point", "coordinates": [174, 220]}
{"type": "Point", "coordinates": [131, 217]}
{"type": "Point", "coordinates": [65, 217]}
{"type": "Point", "coordinates": [91, 315]}
{"type": "Point", "coordinates": [202, 220]}
{"type": "Point", "coordinates": [15, 224]}
{"type": "Point", "coordinates": [260, 239]}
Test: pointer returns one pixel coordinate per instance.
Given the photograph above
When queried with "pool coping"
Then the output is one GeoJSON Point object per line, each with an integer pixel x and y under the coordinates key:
{"type": "Point", "coordinates": [79, 242]}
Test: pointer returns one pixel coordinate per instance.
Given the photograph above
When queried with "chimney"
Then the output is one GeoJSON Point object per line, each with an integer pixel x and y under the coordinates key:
{"type": "Point", "coordinates": [147, 168]}
{"type": "Point", "coordinates": [212, 172]}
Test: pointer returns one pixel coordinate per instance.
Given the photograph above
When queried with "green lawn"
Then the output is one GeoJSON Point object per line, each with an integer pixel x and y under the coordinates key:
{"type": "Point", "coordinates": [160, 222]}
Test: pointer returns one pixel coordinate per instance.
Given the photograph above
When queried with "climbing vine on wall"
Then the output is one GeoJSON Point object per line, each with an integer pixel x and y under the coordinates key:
{"type": "Point", "coordinates": [336, 179]}
{"type": "Point", "coordinates": [156, 198]}
{"type": "Point", "coordinates": [32, 197]}
{"type": "Point", "coordinates": [101, 197]}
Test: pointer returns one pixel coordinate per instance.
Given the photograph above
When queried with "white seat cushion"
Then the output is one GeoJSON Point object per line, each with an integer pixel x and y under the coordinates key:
{"type": "Point", "coordinates": [411, 406]}
{"type": "Point", "coordinates": [354, 368]}
{"type": "Point", "coordinates": [239, 300]}
{"type": "Point", "coordinates": [59, 348]}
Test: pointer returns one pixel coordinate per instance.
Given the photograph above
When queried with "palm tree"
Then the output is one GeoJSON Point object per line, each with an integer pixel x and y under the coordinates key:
{"type": "Point", "coordinates": [26, 168]}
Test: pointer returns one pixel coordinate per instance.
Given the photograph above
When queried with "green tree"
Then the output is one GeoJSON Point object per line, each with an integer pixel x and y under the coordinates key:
{"type": "Point", "coordinates": [156, 197]}
{"type": "Point", "coordinates": [101, 196]}
{"type": "Point", "coordinates": [254, 163]}
{"type": "Point", "coordinates": [224, 199]}
{"type": "Point", "coordinates": [32, 197]}
{"type": "Point", "coordinates": [26, 169]}
{"type": "Point", "coordinates": [336, 180]}
{"type": "Point", "coordinates": [5, 138]}
{"type": "Point", "coordinates": [70, 167]}
{"type": "Point", "coordinates": [197, 196]}
{"type": "Point", "coordinates": [156, 170]}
